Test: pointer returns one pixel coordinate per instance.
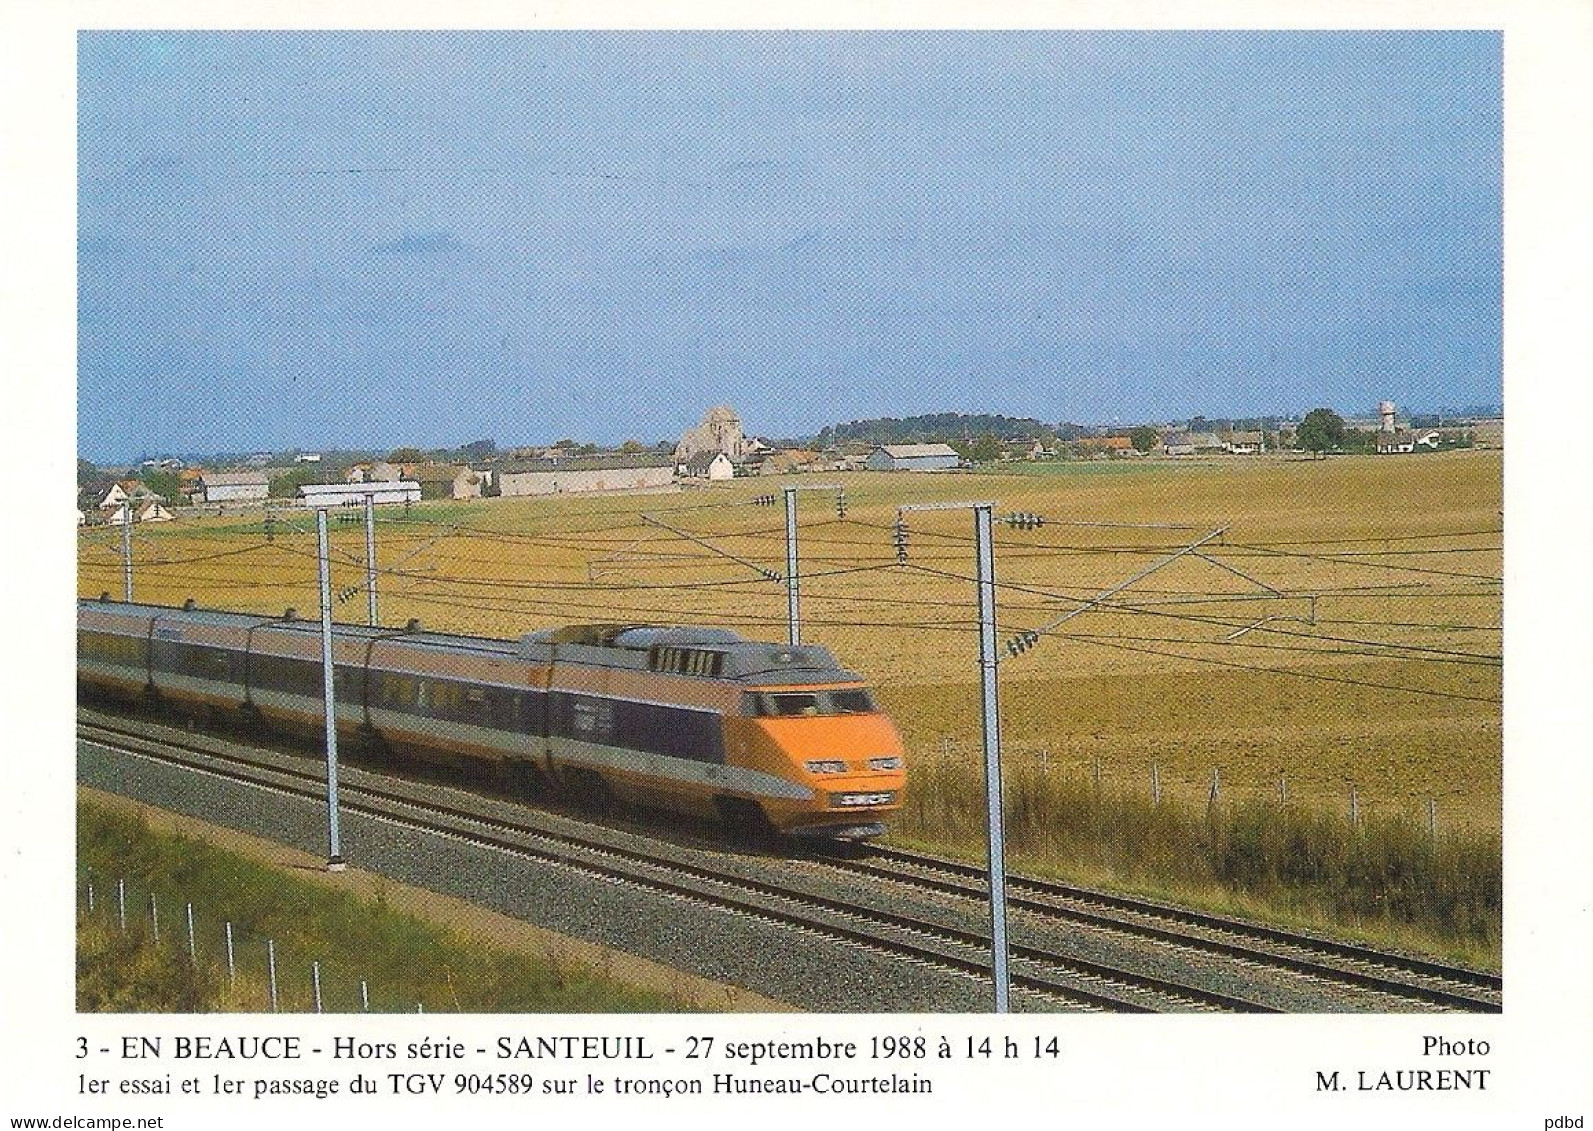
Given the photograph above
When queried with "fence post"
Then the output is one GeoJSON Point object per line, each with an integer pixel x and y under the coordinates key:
{"type": "Point", "coordinates": [232, 970]}
{"type": "Point", "coordinates": [1432, 818]}
{"type": "Point", "coordinates": [315, 979]}
{"type": "Point", "coordinates": [1097, 774]}
{"type": "Point", "coordinates": [121, 904]}
{"type": "Point", "coordinates": [193, 952]}
{"type": "Point", "coordinates": [1355, 808]}
{"type": "Point", "coordinates": [154, 917]}
{"type": "Point", "coordinates": [365, 996]}
{"type": "Point", "coordinates": [91, 894]}
{"type": "Point", "coordinates": [1156, 784]}
{"type": "Point", "coordinates": [271, 971]}
{"type": "Point", "coordinates": [1216, 788]}
{"type": "Point", "coordinates": [1283, 787]}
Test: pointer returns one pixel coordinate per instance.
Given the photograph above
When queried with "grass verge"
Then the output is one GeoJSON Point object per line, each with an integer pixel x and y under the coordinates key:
{"type": "Point", "coordinates": [403, 961]}
{"type": "Point", "coordinates": [1385, 880]}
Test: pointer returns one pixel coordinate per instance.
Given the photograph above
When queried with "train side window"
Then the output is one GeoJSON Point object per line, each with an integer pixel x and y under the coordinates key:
{"type": "Point", "coordinates": [505, 709]}
{"type": "Point", "coordinates": [345, 682]}
{"type": "Point", "coordinates": [106, 646]}
{"type": "Point", "coordinates": [476, 709]}
{"type": "Point", "coordinates": [398, 691]}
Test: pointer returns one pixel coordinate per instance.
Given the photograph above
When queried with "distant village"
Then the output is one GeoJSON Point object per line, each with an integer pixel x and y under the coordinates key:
{"type": "Point", "coordinates": [720, 449]}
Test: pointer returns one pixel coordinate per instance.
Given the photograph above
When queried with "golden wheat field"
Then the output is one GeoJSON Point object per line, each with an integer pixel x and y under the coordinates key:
{"type": "Point", "coordinates": [1342, 632]}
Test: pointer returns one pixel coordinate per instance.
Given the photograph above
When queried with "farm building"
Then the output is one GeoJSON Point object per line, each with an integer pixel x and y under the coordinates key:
{"type": "Point", "coordinates": [1395, 443]}
{"type": "Point", "coordinates": [448, 481]}
{"type": "Point", "coordinates": [1488, 433]}
{"type": "Point", "coordinates": [1244, 443]}
{"type": "Point", "coordinates": [579, 474]}
{"type": "Point", "coordinates": [712, 466]}
{"type": "Point", "coordinates": [1104, 446]}
{"type": "Point", "coordinates": [319, 495]}
{"type": "Point", "coordinates": [789, 460]}
{"type": "Point", "coordinates": [143, 510]}
{"type": "Point", "coordinates": [383, 472]}
{"type": "Point", "coordinates": [911, 457]}
{"type": "Point", "coordinates": [129, 492]}
{"type": "Point", "coordinates": [233, 486]}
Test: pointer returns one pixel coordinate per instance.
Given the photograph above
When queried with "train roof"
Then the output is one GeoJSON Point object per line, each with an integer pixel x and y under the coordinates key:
{"type": "Point", "coordinates": [411, 633]}
{"type": "Point", "coordinates": [637, 636]}
{"type": "Point", "coordinates": [669, 648]}
{"type": "Point", "coordinates": [611, 645]}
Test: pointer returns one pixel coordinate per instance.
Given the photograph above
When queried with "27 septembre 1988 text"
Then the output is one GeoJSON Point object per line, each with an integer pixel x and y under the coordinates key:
{"type": "Point", "coordinates": [526, 1066]}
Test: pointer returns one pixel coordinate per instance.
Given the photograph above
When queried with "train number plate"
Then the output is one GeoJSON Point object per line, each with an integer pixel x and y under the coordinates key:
{"type": "Point", "coordinates": [856, 800]}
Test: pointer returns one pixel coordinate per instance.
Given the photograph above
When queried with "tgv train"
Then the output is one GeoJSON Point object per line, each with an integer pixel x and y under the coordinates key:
{"type": "Point", "coordinates": [694, 720]}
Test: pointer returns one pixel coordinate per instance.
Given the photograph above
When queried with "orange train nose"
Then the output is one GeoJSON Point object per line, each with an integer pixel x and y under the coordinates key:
{"type": "Point", "coordinates": [831, 755]}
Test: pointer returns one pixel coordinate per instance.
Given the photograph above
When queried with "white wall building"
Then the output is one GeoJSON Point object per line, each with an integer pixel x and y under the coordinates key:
{"type": "Point", "coordinates": [317, 495]}
{"type": "Point", "coordinates": [582, 474]}
{"type": "Point", "coordinates": [234, 486]}
{"type": "Point", "coordinates": [712, 466]}
{"type": "Point", "coordinates": [912, 457]}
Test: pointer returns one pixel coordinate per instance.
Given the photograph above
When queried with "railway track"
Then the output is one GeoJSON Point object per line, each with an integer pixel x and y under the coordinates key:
{"type": "Point", "coordinates": [938, 940]}
{"type": "Point", "coordinates": [1400, 976]}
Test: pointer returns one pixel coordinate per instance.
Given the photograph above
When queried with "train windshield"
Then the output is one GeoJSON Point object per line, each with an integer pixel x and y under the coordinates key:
{"type": "Point", "coordinates": [798, 704]}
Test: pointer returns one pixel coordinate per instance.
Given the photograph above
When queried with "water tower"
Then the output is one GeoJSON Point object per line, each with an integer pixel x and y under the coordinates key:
{"type": "Point", "coordinates": [1385, 410]}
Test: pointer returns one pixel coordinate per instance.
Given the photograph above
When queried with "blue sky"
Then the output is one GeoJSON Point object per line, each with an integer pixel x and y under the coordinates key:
{"type": "Point", "coordinates": [363, 240]}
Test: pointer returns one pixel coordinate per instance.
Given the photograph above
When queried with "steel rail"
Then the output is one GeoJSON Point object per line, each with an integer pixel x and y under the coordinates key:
{"type": "Point", "coordinates": [1473, 990]}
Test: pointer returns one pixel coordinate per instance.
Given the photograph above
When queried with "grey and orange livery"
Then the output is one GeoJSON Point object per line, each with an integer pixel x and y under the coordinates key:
{"type": "Point", "coordinates": [693, 720]}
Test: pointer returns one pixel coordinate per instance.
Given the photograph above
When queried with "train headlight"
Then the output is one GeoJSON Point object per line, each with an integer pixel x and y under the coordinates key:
{"type": "Point", "coordinates": [894, 762]}
{"type": "Point", "coordinates": [824, 766]}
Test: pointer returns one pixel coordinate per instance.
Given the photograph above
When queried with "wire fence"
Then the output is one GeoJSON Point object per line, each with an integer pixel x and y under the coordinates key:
{"type": "Point", "coordinates": [251, 972]}
{"type": "Point", "coordinates": [1179, 784]}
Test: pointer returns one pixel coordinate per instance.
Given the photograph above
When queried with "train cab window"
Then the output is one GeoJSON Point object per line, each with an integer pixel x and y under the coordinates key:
{"type": "Point", "coordinates": [855, 701]}
{"type": "Point", "coordinates": [801, 704]}
{"type": "Point", "coordinates": [790, 704]}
